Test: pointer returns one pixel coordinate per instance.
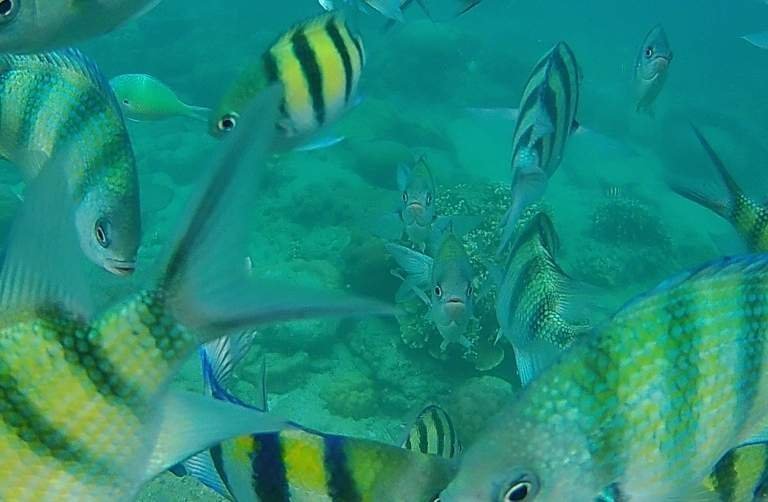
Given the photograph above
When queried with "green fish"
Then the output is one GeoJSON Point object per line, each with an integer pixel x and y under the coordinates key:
{"type": "Point", "coordinates": [748, 217]}
{"type": "Point", "coordinates": [318, 62]}
{"type": "Point", "coordinates": [643, 409]}
{"type": "Point", "coordinates": [28, 26]}
{"type": "Point", "coordinates": [145, 98]}
{"type": "Point", "coordinates": [86, 412]}
{"type": "Point", "coordinates": [60, 105]}
{"type": "Point", "coordinates": [298, 463]}
{"type": "Point", "coordinates": [534, 305]}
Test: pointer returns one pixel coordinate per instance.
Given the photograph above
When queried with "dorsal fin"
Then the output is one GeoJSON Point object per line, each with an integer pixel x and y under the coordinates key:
{"type": "Point", "coordinates": [72, 60]}
{"type": "Point", "coordinates": [221, 356]}
{"type": "Point", "coordinates": [725, 175]}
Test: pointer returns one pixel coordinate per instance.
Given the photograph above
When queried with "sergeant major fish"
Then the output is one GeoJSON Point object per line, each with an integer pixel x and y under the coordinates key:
{"type": "Point", "coordinates": [749, 218]}
{"type": "Point", "coordinates": [651, 68]}
{"type": "Point", "coordinates": [144, 98]}
{"type": "Point", "coordinates": [534, 306]}
{"type": "Point", "coordinates": [86, 413]}
{"type": "Point", "coordinates": [644, 408]}
{"type": "Point", "coordinates": [28, 26]}
{"type": "Point", "coordinates": [298, 463]}
{"type": "Point", "coordinates": [60, 105]}
{"type": "Point", "coordinates": [450, 278]}
{"type": "Point", "coordinates": [545, 121]}
{"type": "Point", "coordinates": [319, 62]}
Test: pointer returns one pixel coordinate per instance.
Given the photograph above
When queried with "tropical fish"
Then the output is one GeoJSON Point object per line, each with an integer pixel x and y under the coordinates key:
{"type": "Point", "coordinates": [298, 463]}
{"type": "Point", "coordinates": [60, 105]}
{"type": "Point", "coordinates": [145, 98]}
{"type": "Point", "coordinates": [319, 63]}
{"type": "Point", "coordinates": [86, 413]}
{"type": "Point", "coordinates": [651, 68]}
{"type": "Point", "coordinates": [748, 217]}
{"type": "Point", "coordinates": [450, 277]}
{"type": "Point", "coordinates": [433, 433]}
{"type": "Point", "coordinates": [28, 26]}
{"type": "Point", "coordinates": [546, 118]}
{"type": "Point", "coordinates": [533, 303]}
{"type": "Point", "coordinates": [387, 8]}
{"type": "Point", "coordinates": [741, 474]}
{"type": "Point", "coordinates": [644, 408]}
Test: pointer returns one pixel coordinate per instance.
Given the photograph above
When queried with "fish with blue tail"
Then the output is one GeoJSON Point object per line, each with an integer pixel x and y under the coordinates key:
{"type": "Point", "coordinates": [87, 413]}
{"type": "Point", "coordinates": [33, 26]}
{"type": "Point", "coordinates": [534, 300]}
{"type": "Point", "coordinates": [450, 280]}
{"type": "Point", "coordinates": [545, 121]}
{"type": "Point", "coordinates": [651, 68]}
{"type": "Point", "coordinates": [145, 98]}
{"type": "Point", "coordinates": [748, 217]}
{"type": "Point", "coordinates": [60, 105]}
{"type": "Point", "coordinates": [298, 463]}
{"type": "Point", "coordinates": [644, 408]}
{"type": "Point", "coordinates": [319, 63]}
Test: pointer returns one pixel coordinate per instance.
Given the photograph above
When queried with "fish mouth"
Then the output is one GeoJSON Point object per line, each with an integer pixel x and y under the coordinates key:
{"type": "Point", "coordinates": [120, 267]}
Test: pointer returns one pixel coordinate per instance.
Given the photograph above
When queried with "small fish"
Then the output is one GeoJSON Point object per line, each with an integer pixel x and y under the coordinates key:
{"type": "Point", "coordinates": [433, 433]}
{"type": "Point", "coordinates": [145, 98]}
{"type": "Point", "coordinates": [319, 62]}
{"type": "Point", "coordinates": [759, 40]}
{"type": "Point", "coordinates": [450, 277]}
{"type": "Point", "coordinates": [534, 305]}
{"type": "Point", "coordinates": [749, 218]}
{"type": "Point", "coordinates": [741, 474]}
{"type": "Point", "coordinates": [87, 413]}
{"type": "Point", "coordinates": [651, 68]}
{"type": "Point", "coordinates": [388, 8]}
{"type": "Point", "coordinates": [644, 408]}
{"type": "Point", "coordinates": [59, 104]}
{"type": "Point", "coordinates": [546, 119]}
{"type": "Point", "coordinates": [417, 212]}
{"type": "Point", "coordinates": [33, 26]}
{"type": "Point", "coordinates": [298, 463]}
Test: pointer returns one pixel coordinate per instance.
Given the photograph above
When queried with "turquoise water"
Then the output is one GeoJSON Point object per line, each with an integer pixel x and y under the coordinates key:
{"type": "Point", "coordinates": [621, 229]}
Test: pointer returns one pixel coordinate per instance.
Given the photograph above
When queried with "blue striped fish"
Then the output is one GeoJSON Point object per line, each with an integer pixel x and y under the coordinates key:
{"type": "Point", "coordinates": [545, 121]}
{"type": "Point", "coordinates": [297, 464]}
{"type": "Point", "coordinates": [60, 105]}
{"type": "Point", "coordinates": [318, 62]}
{"type": "Point", "coordinates": [86, 413]}
{"type": "Point", "coordinates": [645, 408]}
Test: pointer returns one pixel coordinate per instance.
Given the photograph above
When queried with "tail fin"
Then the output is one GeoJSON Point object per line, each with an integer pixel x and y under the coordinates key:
{"type": "Point", "coordinates": [717, 206]}
{"type": "Point", "coordinates": [208, 289]}
{"type": "Point", "coordinates": [725, 175]}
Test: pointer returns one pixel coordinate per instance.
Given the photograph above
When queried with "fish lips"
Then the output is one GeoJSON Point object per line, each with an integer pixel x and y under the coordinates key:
{"type": "Point", "coordinates": [120, 268]}
{"type": "Point", "coordinates": [415, 212]}
{"type": "Point", "coordinates": [455, 310]}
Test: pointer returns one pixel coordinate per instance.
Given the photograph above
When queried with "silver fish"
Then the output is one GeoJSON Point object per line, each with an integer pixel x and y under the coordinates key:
{"type": "Point", "coordinates": [651, 68]}
{"type": "Point", "coordinates": [28, 26]}
{"type": "Point", "coordinates": [417, 211]}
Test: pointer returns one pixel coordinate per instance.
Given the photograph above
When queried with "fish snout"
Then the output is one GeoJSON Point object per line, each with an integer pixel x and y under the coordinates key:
{"type": "Point", "coordinates": [455, 308]}
{"type": "Point", "coordinates": [416, 209]}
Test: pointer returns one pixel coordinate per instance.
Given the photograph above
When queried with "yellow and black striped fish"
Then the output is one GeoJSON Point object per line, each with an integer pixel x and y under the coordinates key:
{"type": "Point", "coordinates": [319, 63]}
{"type": "Point", "coordinates": [433, 433]}
{"type": "Point", "coordinates": [85, 405]}
{"type": "Point", "coordinates": [547, 117]}
{"type": "Point", "coordinates": [299, 464]}
{"type": "Point", "coordinates": [741, 474]}
{"type": "Point", "coordinates": [749, 218]}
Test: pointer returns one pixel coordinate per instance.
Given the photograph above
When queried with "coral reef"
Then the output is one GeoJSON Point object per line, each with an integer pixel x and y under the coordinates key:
{"type": "Point", "coordinates": [476, 401]}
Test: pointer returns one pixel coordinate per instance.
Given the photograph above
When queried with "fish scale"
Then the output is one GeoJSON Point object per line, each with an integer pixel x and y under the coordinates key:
{"type": "Point", "coordinates": [650, 403]}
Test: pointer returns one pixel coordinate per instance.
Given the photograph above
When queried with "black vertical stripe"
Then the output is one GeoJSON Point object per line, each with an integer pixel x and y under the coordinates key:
{"type": "Point", "coordinates": [313, 75]}
{"type": "Point", "coordinates": [423, 437]}
{"type": "Point", "coordinates": [725, 476]}
{"type": "Point", "coordinates": [268, 476]}
{"type": "Point", "coordinates": [358, 46]}
{"type": "Point", "coordinates": [341, 485]}
{"type": "Point", "coordinates": [453, 441]}
{"type": "Point", "coordinates": [439, 432]}
{"type": "Point", "coordinates": [218, 464]}
{"type": "Point", "coordinates": [333, 32]}
{"type": "Point", "coordinates": [270, 67]}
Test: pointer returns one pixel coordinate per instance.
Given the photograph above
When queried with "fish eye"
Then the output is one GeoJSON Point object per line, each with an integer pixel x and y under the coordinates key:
{"type": "Point", "coordinates": [405, 196]}
{"type": "Point", "coordinates": [429, 198]}
{"type": "Point", "coordinates": [126, 102]}
{"type": "Point", "coordinates": [227, 122]}
{"type": "Point", "coordinates": [8, 9]}
{"type": "Point", "coordinates": [520, 490]}
{"type": "Point", "coordinates": [438, 291]}
{"type": "Point", "coordinates": [649, 52]}
{"type": "Point", "coordinates": [101, 231]}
